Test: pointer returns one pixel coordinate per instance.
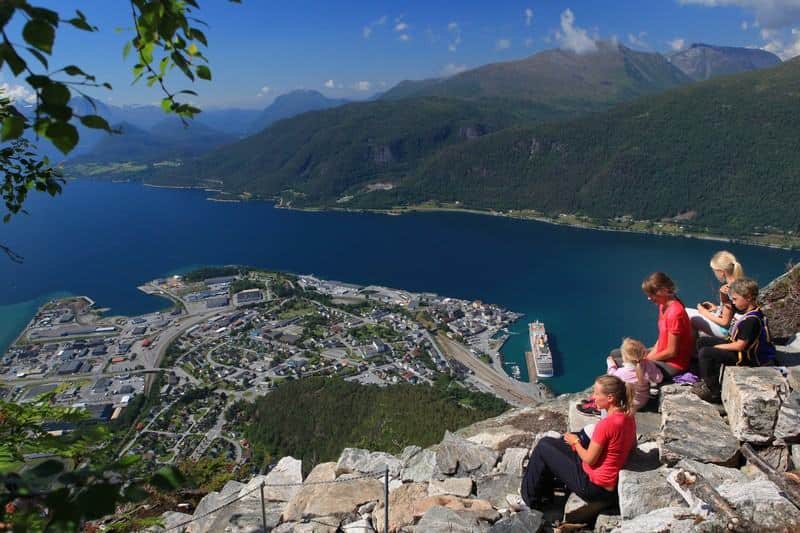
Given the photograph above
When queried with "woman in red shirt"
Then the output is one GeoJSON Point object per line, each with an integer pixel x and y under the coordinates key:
{"type": "Point", "coordinates": [590, 471]}
{"type": "Point", "coordinates": [675, 346]}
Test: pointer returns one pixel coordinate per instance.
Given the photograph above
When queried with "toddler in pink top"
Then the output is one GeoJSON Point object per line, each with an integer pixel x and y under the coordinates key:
{"type": "Point", "coordinates": [636, 371]}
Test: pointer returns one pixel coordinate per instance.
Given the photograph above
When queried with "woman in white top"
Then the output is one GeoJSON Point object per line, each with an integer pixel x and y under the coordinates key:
{"type": "Point", "coordinates": [715, 319]}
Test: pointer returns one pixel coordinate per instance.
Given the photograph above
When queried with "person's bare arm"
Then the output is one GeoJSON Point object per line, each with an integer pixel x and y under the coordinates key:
{"type": "Point", "coordinates": [667, 353]}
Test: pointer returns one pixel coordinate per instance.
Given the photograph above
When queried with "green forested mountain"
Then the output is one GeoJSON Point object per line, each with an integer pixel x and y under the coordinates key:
{"type": "Point", "coordinates": [561, 79]}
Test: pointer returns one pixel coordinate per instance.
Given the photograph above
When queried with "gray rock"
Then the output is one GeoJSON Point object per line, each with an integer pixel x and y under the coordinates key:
{"type": "Point", "coordinates": [367, 508]}
{"type": "Point", "coordinates": [643, 458]}
{"type": "Point", "coordinates": [210, 501]}
{"type": "Point", "coordinates": [523, 522]}
{"type": "Point", "coordinates": [578, 511]}
{"type": "Point", "coordinates": [716, 475]}
{"type": "Point", "coordinates": [322, 524]}
{"type": "Point", "coordinates": [288, 471]}
{"type": "Point", "coordinates": [457, 486]}
{"type": "Point", "coordinates": [443, 520]}
{"type": "Point", "coordinates": [409, 452]}
{"type": "Point", "coordinates": [578, 420]}
{"type": "Point", "coordinates": [795, 455]}
{"type": "Point", "coordinates": [693, 429]}
{"type": "Point", "coordinates": [648, 425]}
{"type": "Point", "coordinates": [512, 461]}
{"type": "Point", "coordinates": [456, 456]}
{"type": "Point", "coordinates": [761, 503]}
{"type": "Point", "coordinates": [419, 467]}
{"type": "Point", "coordinates": [519, 426]}
{"type": "Point", "coordinates": [671, 519]}
{"type": "Point", "coordinates": [643, 492]}
{"type": "Point", "coordinates": [775, 456]}
{"type": "Point", "coordinates": [787, 428]}
{"type": "Point", "coordinates": [244, 516]}
{"type": "Point", "coordinates": [752, 399]}
{"type": "Point", "coordinates": [495, 488]}
{"type": "Point", "coordinates": [231, 487]}
{"type": "Point", "coordinates": [367, 462]}
{"type": "Point", "coordinates": [606, 523]}
{"type": "Point", "coordinates": [173, 520]}
{"type": "Point", "coordinates": [359, 526]}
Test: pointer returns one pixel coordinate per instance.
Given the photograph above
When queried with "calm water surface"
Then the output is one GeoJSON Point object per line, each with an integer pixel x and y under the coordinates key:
{"type": "Point", "coordinates": [104, 239]}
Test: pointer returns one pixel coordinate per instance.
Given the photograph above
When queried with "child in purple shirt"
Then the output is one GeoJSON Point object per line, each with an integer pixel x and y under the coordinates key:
{"type": "Point", "coordinates": [636, 371]}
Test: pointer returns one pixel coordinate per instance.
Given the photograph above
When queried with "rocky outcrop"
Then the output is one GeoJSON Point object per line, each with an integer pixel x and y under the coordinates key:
{"type": "Point", "coordinates": [461, 483]}
{"type": "Point", "coordinates": [752, 398]}
{"type": "Point", "coordinates": [780, 301]}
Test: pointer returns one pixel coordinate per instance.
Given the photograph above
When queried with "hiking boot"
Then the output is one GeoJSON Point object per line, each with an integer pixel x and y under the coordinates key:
{"type": "Point", "coordinates": [705, 393]}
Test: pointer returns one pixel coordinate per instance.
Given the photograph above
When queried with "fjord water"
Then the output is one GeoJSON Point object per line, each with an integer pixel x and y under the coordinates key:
{"type": "Point", "coordinates": [103, 239]}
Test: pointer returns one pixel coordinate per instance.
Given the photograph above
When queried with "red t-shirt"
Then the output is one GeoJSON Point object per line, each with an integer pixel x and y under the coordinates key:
{"type": "Point", "coordinates": [672, 318]}
{"type": "Point", "coordinates": [616, 433]}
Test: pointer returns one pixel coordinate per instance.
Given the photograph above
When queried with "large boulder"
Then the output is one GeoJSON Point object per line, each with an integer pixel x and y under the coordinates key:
{"type": "Point", "coordinates": [643, 492]}
{"type": "Point", "coordinates": [335, 499]}
{"type": "Point", "coordinates": [288, 471]}
{"type": "Point", "coordinates": [439, 519]}
{"type": "Point", "coordinates": [752, 399]}
{"type": "Point", "coordinates": [694, 429]}
{"type": "Point", "coordinates": [495, 487]}
{"type": "Point", "coordinates": [793, 377]}
{"type": "Point", "coordinates": [716, 475]}
{"type": "Point", "coordinates": [418, 465]}
{"type": "Point", "coordinates": [518, 427]}
{"type": "Point", "coordinates": [761, 503]}
{"type": "Point", "coordinates": [456, 456]}
{"type": "Point", "coordinates": [244, 516]}
{"type": "Point", "coordinates": [528, 521]}
{"type": "Point", "coordinates": [367, 462]}
{"type": "Point", "coordinates": [401, 507]}
{"type": "Point", "coordinates": [787, 427]}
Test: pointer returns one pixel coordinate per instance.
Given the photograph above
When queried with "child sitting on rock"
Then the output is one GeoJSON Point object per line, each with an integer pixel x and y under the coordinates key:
{"type": "Point", "coordinates": [749, 343]}
{"type": "Point", "coordinates": [629, 364]}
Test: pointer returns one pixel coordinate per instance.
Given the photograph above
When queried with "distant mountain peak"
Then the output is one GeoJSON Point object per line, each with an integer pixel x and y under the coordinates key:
{"type": "Point", "coordinates": [702, 61]}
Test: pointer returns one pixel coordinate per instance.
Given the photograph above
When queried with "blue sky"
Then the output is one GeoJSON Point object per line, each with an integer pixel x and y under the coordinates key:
{"type": "Point", "coordinates": [260, 49]}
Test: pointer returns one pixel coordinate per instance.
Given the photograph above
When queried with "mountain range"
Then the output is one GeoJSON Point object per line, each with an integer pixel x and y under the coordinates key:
{"type": "Point", "coordinates": [603, 134]}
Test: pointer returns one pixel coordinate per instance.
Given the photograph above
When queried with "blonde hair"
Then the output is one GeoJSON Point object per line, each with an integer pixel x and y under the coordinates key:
{"type": "Point", "coordinates": [657, 281]}
{"type": "Point", "coordinates": [618, 390]}
{"type": "Point", "coordinates": [726, 261]}
{"type": "Point", "coordinates": [746, 288]}
{"type": "Point", "coordinates": [634, 351]}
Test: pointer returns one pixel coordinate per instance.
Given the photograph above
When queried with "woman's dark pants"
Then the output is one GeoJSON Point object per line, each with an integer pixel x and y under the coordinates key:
{"type": "Point", "coordinates": [554, 459]}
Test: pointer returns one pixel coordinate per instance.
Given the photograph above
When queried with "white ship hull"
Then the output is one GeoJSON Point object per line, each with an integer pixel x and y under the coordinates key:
{"type": "Point", "coordinates": [540, 350]}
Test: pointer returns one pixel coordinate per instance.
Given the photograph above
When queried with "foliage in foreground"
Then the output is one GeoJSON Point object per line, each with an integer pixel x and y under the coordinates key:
{"type": "Point", "coordinates": [316, 418]}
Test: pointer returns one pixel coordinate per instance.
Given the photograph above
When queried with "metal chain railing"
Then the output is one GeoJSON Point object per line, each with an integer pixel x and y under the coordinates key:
{"type": "Point", "coordinates": [261, 486]}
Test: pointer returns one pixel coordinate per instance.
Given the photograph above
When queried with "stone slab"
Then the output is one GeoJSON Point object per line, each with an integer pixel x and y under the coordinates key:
{"type": "Point", "coordinates": [643, 492]}
{"type": "Point", "coordinates": [787, 427]}
{"type": "Point", "coordinates": [694, 429]}
{"type": "Point", "coordinates": [752, 399]}
{"type": "Point", "coordinates": [530, 521]}
{"type": "Point", "coordinates": [457, 486]}
{"type": "Point", "coordinates": [495, 487]}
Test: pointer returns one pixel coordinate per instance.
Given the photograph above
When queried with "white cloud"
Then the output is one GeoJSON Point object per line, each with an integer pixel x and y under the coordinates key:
{"type": "Point", "coordinates": [502, 44]}
{"type": "Point", "coordinates": [329, 84]}
{"type": "Point", "coordinates": [528, 42]}
{"type": "Point", "coordinates": [17, 93]}
{"type": "Point", "coordinates": [452, 69]}
{"type": "Point", "coordinates": [369, 28]}
{"type": "Point", "coordinates": [362, 86]}
{"type": "Point", "coordinates": [744, 25]}
{"type": "Point", "coordinates": [677, 44]}
{"type": "Point", "coordinates": [785, 48]}
{"type": "Point", "coordinates": [572, 37]}
{"type": "Point", "coordinates": [401, 26]}
{"type": "Point", "coordinates": [404, 37]}
{"type": "Point", "coordinates": [768, 13]}
{"type": "Point", "coordinates": [264, 91]}
{"type": "Point", "coordinates": [639, 40]}
{"type": "Point", "coordinates": [528, 16]}
{"type": "Point", "coordinates": [455, 31]}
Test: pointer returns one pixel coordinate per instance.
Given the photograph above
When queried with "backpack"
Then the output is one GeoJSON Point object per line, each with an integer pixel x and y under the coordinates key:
{"type": "Point", "coordinates": [761, 351]}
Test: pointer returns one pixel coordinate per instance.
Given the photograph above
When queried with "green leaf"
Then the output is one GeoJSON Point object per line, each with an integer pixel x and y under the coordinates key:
{"type": "Point", "coordinates": [13, 127]}
{"type": "Point", "coordinates": [166, 105]}
{"type": "Point", "coordinates": [135, 493]}
{"type": "Point", "coordinates": [126, 50]}
{"type": "Point", "coordinates": [55, 94]}
{"type": "Point", "coordinates": [63, 135]}
{"type": "Point", "coordinates": [198, 35]}
{"type": "Point", "coordinates": [98, 500]}
{"type": "Point", "coordinates": [168, 478]}
{"type": "Point", "coordinates": [72, 70]}
{"type": "Point", "coordinates": [47, 468]}
{"type": "Point", "coordinates": [37, 81]}
{"type": "Point", "coordinates": [10, 56]}
{"type": "Point", "coordinates": [47, 15]}
{"type": "Point", "coordinates": [95, 122]}
{"type": "Point", "coordinates": [39, 34]}
{"type": "Point", "coordinates": [38, 55]}
{"type": "Point", "coordinates": [203, 72]}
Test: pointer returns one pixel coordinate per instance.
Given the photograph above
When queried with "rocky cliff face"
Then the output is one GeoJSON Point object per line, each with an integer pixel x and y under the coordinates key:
{"type": "Point", "coordinates": [780, 300]}
{"type": "Point", "coordinates": [460, 484]}
{"type": "Point", "coordinates": [703, 61]}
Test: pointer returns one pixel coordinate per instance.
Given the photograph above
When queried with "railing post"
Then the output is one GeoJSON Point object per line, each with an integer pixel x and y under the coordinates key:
{"type": "Point", "coordinates": [386, 499]}
{"type": "Point", "coordinates": [263, 508]}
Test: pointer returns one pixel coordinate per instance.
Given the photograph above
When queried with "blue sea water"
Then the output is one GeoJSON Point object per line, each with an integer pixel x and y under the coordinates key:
{"type": "Point", "coordinates": [103, 239]}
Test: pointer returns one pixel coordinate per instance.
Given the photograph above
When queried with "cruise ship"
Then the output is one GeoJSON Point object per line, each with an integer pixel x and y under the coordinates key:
{"type": "Point", "coordinates": [540, 350]}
